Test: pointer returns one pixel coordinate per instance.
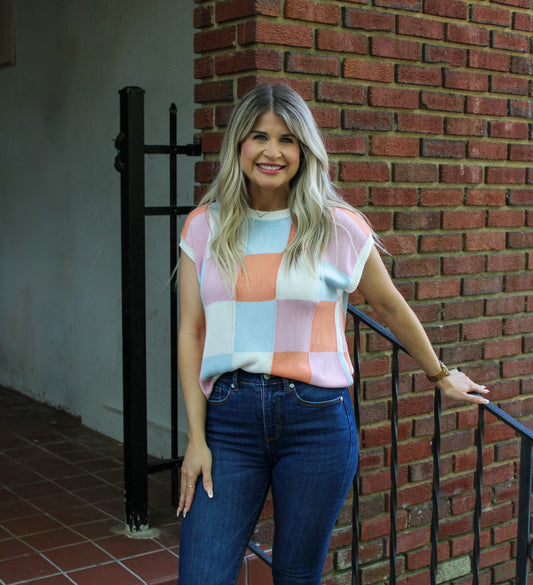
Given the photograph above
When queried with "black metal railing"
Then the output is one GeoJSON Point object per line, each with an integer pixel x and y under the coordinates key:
{"type": "Point", "coordinates": [130, 163]}
{"type": "Point", "coordinates": [524, 546]}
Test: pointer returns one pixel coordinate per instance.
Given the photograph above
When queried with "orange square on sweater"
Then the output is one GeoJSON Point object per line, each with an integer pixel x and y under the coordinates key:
{"type": "Point", "coordinates": [323, 331]}
{"type": "Point", "coordinates": [259, 282]}
{"type": "Point", "coordinates": [293, 365]}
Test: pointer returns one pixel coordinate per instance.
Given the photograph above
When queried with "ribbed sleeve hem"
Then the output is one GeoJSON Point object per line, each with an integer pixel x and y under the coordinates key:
{"type": "Point", "coordinates": [187, 249]}
{"type": "Point", "coordinates": [360, 265]}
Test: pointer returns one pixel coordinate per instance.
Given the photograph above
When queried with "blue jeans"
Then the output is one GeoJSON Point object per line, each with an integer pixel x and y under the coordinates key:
{"type": "Point", "coordinates": [263, 432]}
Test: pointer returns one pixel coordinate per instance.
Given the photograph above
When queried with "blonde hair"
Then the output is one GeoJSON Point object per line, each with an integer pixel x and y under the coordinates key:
{"type": "Point", "coordinates": [312, 198]}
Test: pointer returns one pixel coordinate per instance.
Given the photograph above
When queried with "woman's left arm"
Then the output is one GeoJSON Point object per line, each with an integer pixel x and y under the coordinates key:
{"type": "Point", "coordinates": [393, 311]}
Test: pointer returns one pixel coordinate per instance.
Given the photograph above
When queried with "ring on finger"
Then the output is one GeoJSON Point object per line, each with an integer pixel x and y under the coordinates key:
{"type": "Point", "coordinates": [191, 485]}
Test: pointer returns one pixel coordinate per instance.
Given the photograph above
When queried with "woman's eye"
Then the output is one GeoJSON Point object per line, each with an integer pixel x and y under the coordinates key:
{"type": "Point", "coordinates": [259, 137]}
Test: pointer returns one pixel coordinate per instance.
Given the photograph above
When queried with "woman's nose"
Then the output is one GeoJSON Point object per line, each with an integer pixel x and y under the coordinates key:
{"type": "Point", "coordinates": [271, 149]}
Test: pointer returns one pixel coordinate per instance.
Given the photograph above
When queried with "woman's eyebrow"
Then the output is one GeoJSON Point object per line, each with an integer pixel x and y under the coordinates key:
{"type": "Point", "coordinates": [288, 135]}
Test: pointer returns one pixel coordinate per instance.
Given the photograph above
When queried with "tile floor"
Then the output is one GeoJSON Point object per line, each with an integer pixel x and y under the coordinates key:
{"type": "Point", "coordinates": [62, 511]}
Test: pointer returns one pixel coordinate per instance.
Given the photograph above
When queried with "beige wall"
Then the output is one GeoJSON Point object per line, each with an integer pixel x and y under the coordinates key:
{"type": "Point", "coordinates": [60, 287]}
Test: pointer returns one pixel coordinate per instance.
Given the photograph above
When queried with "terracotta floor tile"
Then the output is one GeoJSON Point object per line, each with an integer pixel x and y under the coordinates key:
{"type": "Point", "coordinates": [58, 501]}
{"type": "Point", "coordinates": [241, 579]}
{"type": "Point", "coordinates": [38, 489]}
{"type": "Point", "coordinates": [114, 476]}
{"type": "Point", "coordinates": [74, 478]}
{"type": "Point", "coordinates": [99, 529]}
{"type": "Point", "coordinates": [154, 567]}
{"type": "Point", "coordinates": [44, 437]}
{"type": "Point", "coordinates": [16, 509]}
{"type": "Point", "coordinates": [6, 496]}
{"type": "Point", "coordinates": [14, 548]}
{"type": "Point", "coordinates": [169, 536]}
{"type": "Point", "coordinates": [74, 453]}
{"type": "Point", "coordinates": [31, 525]}
{"type": "Point", "coordinates": [77, 556]}
{"type": "Point", "coordinates": [4, 534]}
{"type": "Point", "coordinates": [16, 475]}
{"type": "Point", "coordinates": [113, 508]}
{"type": "Point", "coordinates": [122, 547]}
{"type": "Point", "coordinates": [26, 453]}
{"type": "Point", "coordinates": [160, 518]}
{"type": "Point", "coordinates": [259, 573]}
{"type": "Point", "coordinates": [54, 580]}
{"type": "Point", "coordinates": [101, 493]}
{"type": "Point", "coordinates": [53, 539]}
{"type": "Point", "coordinates": [56, 469]}
{"type": "Point", "coordinates": [109, 574]}
{"type": "Point", "coordinates": [11, 441]}
{"type": "Point", "coordinates": [25, 568]}
{"type": "Point", "coordinates": [99, 465]}
{"type": "Point", "coordinates": [66, 444]}
{"type": "Point", "coordinates": [109, 449]}
{"type": "Point", "coordinates": [79, 515]}
{"type": "Point", "coordinates": [82, 481]}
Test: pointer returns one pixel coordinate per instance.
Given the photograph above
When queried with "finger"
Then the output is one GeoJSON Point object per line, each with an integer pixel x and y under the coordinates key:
{"type": "Point", "coordinates": [479, 388]}
{"type": "Point", "coordinates": [476, 399]}
{"type": "Point", "coordinates": [208, 483]}
{"type": "Point", "coordinates": [181, 502]}
{"type": "Point", "coordinates": [190, 488]}
{"type": "Point", "coordinates": [186, 480]}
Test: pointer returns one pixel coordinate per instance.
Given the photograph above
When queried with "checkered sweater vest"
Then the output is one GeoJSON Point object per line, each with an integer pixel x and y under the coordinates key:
{"type": "Point", "coordinates": [278, 321]}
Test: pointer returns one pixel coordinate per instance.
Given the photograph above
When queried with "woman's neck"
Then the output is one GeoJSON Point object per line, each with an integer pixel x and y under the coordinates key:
{"type": "Point", "coordinates": [269, 201]}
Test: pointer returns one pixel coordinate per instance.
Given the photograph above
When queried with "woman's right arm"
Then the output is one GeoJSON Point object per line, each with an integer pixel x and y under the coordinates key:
{"type": "Point", "coordinates": [197, 460]}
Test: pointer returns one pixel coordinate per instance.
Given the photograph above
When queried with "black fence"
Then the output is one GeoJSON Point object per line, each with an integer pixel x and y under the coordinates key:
{"type": "Point", "coordinates": [524, 547]}
{"type": "Point", "coordinates": [130, 163]}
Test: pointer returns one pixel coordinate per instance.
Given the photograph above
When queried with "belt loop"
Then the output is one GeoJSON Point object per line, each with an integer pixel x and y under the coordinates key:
{"type": "Point", "coordinates": [236, 379]}
{"type": "Point", "coordinates": [286, 384]}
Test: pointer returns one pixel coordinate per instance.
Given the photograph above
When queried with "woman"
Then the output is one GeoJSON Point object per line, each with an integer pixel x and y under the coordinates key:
{"type": "Point", "coordinates": [270, 256]}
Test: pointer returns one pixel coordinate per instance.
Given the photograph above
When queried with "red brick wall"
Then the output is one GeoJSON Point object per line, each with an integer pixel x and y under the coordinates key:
{"type": "Point", "coordinates": [426, 111]}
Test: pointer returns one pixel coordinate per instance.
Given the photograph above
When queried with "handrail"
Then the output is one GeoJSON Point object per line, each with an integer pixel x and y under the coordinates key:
{"type": "Point", "coordinates": [509, 420]}
{"type": "Point", "coordinates": [375, 326]}
{"type": "Point", "coordinates": [524, 547]}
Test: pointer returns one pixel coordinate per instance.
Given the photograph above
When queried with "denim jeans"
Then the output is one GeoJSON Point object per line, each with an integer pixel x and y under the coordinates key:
{"type": "Point", "coordinates": [263, 432]}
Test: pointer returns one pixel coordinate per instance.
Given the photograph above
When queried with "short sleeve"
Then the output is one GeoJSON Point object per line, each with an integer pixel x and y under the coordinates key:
{"type": "Point", "coordinates": [195, 235]}
{"type": "Point", "coordinates": [349, 248]}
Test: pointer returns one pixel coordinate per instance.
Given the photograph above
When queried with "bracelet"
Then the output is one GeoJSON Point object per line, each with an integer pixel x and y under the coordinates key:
{"type": "Point", "coordinates": [444, 371]}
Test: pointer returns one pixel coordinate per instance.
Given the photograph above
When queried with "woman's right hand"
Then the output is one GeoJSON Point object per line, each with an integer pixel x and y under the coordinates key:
{"type": "Point", "coordinates": [197, 461]}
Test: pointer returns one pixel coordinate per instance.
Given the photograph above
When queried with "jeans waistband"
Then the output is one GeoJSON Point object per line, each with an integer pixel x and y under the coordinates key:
{"type": "Point", "coordinates": [242, 377]}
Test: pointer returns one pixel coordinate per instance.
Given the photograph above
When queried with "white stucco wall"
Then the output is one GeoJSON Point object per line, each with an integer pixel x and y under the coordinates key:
{"type": "Point", "coordinates": [60, 282]}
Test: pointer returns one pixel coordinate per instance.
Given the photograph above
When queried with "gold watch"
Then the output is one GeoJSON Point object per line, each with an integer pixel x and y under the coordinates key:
{"type": "Point", "coordinates": [444, 371]}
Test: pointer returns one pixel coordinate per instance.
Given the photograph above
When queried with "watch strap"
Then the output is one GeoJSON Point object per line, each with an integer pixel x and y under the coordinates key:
{"type": "Point", "coordinates": [444, 372]}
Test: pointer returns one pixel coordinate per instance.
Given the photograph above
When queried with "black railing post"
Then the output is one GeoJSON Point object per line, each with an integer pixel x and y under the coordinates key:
{"type": "Point", "coordinates": [131, 161]}
{"type": "Point", "coordinates": [394, 465]}
{"type": "Point", "coordinates": [435, 487]}
{"type": "Point", "coordinates": [524, 512]}
{"type": "Point", "coordinates": [173, 170]}
{"type": "Point", "coordinates": [480, 439]}
{"type": "Point", "coordinates": [356, 480]}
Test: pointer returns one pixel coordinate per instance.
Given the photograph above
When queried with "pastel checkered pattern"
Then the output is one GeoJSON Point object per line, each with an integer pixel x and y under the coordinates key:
{"type": "Point", "coordinates": [287, 323]}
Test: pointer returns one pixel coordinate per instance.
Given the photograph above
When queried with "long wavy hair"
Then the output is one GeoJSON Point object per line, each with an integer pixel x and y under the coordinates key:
{"type": "Point", "coordinates": [312, 198]}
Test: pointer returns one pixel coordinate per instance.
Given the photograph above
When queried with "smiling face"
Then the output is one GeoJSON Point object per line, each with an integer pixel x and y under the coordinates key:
{"type": "Point", "coordinates": [270, 158]}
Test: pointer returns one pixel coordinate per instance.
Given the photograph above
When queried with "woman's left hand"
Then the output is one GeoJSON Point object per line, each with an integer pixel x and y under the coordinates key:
{"type": "Point", "coordinates": [459, 387]}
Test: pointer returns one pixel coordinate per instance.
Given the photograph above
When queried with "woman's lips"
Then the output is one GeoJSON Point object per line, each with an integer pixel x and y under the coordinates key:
{"type": "Point", "coordinates": [270, 168]}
